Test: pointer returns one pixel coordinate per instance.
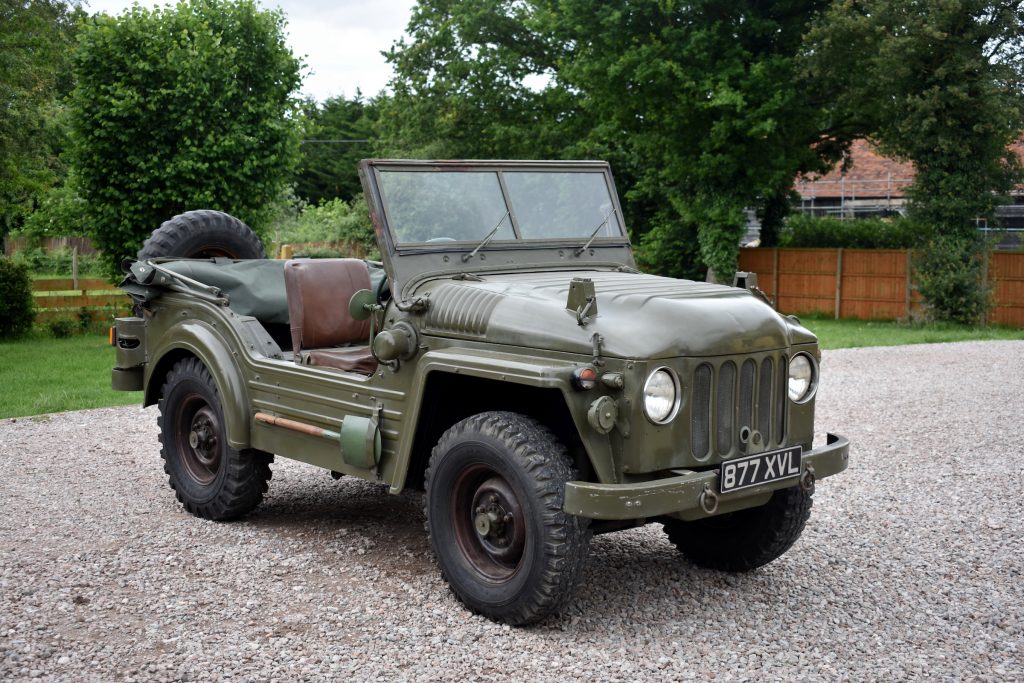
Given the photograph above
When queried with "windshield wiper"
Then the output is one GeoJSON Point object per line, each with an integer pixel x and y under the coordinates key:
{"type": "Point", "coordinates": [490, 235]}
{"type": "Point", "coordinates": [593, 235]}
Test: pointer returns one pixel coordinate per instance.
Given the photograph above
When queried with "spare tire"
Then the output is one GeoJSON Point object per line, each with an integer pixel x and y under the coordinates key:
{"type": "Point", "coordinates": [203, 234]}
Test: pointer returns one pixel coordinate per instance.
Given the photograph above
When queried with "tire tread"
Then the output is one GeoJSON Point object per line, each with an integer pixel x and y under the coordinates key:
{"type": "Point", "coordinates": [248, 471]}
{"type": "Point", "coordinates": [749, 538]}
{"type": "Point", "coordinates": [547, 463]}
{"type": "Point", "coordinates": [171, 238]}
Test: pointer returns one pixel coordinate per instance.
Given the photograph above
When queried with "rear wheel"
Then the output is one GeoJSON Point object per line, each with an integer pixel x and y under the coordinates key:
{"type": "Point", "coordinates": [746, 539]}
{"type": "Point", "coordinates": [203, 234]}
{"type": "Point", "coordinates": [211, 479]}
{"type": "Point", "coordinates": [495, 488]}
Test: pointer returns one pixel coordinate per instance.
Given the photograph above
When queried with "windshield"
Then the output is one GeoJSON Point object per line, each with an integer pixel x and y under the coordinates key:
{"type": "Point", "coordinates": [444, 206]}
{"type": "Point", "coordinates": [438, 206]}
{"type": "Point", "coordinates": [557, 204]}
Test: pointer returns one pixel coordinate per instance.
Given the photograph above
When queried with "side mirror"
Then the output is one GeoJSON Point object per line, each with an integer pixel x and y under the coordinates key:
{"type": "Point", "coordinates": [361, 304]}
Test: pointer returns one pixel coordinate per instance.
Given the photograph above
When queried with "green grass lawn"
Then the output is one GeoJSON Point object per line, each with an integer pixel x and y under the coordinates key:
{"type": "Point", "coordinates": [842, 334]}
{"type": "Point", "coordinates": [40, 374]}
{"type": "Point", "coordinates": [45, 375]}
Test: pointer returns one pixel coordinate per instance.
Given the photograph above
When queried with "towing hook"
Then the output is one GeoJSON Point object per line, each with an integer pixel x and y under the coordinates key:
{"type": "Point", "coordinates": [708, 500]}
{"type": "Point", "coordinates": [807, 480]}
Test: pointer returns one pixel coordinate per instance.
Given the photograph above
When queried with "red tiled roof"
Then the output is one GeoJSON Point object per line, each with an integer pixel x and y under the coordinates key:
{"type": "Point", "coordinates": [868, 175]}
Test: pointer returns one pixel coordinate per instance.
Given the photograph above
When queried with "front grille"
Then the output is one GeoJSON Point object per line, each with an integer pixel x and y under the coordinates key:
{"type": "Point", "coordinates": [727, 402]}
{"type": "Point", "coordinates": [700, 439]}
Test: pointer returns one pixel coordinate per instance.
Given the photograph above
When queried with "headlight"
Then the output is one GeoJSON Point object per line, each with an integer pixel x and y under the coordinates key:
{"type": "Point", "coordinates": [803, 380]}
{"type": "Point", "coordinates": [661, 396]}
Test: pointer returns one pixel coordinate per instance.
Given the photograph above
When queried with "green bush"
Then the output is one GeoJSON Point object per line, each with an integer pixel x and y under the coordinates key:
{"type": "Point", "coordinates": [61, 328]}
{"type": "Point", "coordinates": [313, 251]}
{"type": "Point", "coordinates": [802, 230]}
{"type": "Point", "coordinates": [182, 107]}
{"type": "Point", "coordinates": [333, 221]}
{"type": "Point", "coordinates": [58, 262]}
{"type": "Point", "coordinates": [950, 276]}
{"type": "Point", "coordinates": [16, 309]}
{"type": "Point", "coordinates": [61, 213]}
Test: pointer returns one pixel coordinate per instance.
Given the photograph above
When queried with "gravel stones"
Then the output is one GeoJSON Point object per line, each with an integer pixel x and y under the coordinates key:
{"type": "Point", "coordinates": [910, 567]}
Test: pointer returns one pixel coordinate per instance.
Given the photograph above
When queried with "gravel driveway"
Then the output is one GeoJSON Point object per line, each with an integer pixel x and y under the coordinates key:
{"type": "Point", "coordinates": [912, 565]}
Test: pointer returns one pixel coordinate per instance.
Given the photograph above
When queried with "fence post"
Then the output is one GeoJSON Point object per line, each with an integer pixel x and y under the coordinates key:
{"type": "Point", "coordinates": [987, 285]}
{"type": "Point", "coordinates": [775, 278]}
{"type": "Point", "coordinates": [839, 280]}
{"type": "Point", "coordinates": [910, 283]}
{"type": "Point", "coordinates": [74, 267]}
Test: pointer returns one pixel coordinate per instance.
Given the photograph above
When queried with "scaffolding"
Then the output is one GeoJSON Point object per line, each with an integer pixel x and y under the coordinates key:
{"type": "Point", "coordinates": [854, 198]}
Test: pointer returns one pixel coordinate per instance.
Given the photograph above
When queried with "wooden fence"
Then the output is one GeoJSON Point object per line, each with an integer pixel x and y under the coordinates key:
{"type": "Point", "coordinates": [870, 284]}
{"type": "Point", "coordinates": [65, 298]}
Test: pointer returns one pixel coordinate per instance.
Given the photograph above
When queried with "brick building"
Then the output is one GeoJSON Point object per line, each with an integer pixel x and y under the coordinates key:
{"type": "Point", "coordinates": [873, 185]}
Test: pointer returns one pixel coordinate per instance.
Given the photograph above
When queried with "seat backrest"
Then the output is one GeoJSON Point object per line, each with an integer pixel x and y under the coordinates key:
{"type": "Point", "coordinates": [318, 294]}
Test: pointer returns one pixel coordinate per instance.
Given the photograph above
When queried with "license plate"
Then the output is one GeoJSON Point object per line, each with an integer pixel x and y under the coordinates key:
{"type": "Point", "coordinates": [762, 468]}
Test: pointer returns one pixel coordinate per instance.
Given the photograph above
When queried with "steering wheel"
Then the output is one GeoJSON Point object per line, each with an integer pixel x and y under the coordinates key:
{"type": "Point", "coordinates": [441, 239]}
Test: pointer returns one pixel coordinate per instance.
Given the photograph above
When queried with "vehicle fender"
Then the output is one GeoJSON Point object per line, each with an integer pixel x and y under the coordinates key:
{"type": "Point", "coordinates": [542, 373]}
{"type": "Point", "coordinates": [201, 340]}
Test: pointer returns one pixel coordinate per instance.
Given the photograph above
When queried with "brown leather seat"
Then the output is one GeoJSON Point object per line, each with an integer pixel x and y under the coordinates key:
{"type": "Point", "coordinates": [318, 294]}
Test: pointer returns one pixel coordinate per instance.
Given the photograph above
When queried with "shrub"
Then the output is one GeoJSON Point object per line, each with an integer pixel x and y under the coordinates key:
{"type": "Point", "coordinates": [85, 321]}
{"type": "Point", "coordinates": [62, 328]}
{"type": "Point", "coordinates": [61, 213]}
{"type": "Point", "coordinates": [58, 262]}
{"type": "Point", "coordinates": [315, 251]}
{"type": "Point", "coordinates": [802, 230]}
{"type": "Point", "coordinates": [16, 310]}
{"type": "Point", "coordinates": [949, 272]}
{"type": "Point", "coordinates": [182, 107]}
{"type": "Point", "coordinates": [334, 221]}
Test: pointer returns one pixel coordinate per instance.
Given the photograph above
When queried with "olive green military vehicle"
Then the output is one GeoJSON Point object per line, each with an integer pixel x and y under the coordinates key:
{"type": "Point", "coordinates": [506, 357]}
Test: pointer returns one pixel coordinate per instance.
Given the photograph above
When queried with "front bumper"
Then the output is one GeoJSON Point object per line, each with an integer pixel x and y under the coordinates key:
{"type": "Point", "coordinates": [686, 495]}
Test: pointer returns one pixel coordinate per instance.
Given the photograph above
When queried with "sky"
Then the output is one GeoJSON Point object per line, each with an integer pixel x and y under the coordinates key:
{"type": "Point", "coordinates": [340, 41]}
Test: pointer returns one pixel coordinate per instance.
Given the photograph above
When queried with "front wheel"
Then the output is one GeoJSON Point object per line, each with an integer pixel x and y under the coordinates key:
{"type": "Point", "coordinates": [494, 493]}
{"type": "Point", "coordinates": [210, 478]}
{"type": "Point", "coordinates": [746, 539]}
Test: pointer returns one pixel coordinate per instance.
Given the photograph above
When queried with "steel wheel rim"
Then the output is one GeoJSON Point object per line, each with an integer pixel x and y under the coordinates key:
{"type": "Point", "coordinates": [199, 440]}
{"type": "Point", "coordinates": [211, 251]}
{"type": "Point", "coordinates": [488, 521]}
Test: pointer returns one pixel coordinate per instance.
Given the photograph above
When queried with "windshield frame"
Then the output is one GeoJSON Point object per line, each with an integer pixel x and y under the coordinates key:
{"type": "Point", "coordinates": [405, 261]}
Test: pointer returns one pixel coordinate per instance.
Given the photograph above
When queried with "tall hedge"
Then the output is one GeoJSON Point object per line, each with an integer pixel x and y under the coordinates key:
{"type": "Point", "coordinates": [181, 108]}
{"type": "Point", "coordinates": [801, 230]}
{"type": "Point", "coordinates": [16, 309]}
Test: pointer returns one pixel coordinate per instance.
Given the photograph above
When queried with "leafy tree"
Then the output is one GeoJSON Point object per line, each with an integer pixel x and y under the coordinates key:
{"type": "Point", "coordinates": [34, 45]}
{"type": "Point", "coordinates": [476, 80]}
{"type": "Point", "coordinates": [182, 108]}
{"type": "Point", "coordinates": [336, 135]}
{"type": "Point", "coordinates": [938, 84]}
{"type": "Point", "coordinates": [700, 106]}
{"type": "Point", "coordinates": [710, 96]}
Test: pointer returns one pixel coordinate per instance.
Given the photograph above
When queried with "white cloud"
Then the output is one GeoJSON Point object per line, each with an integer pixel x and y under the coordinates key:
{"type": "Point", "coordinates": [340, 41]}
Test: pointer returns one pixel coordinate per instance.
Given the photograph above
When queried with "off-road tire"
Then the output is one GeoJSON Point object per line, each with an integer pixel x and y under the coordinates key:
{"type": "Point", "coordinates": [211, 479]}
{"type": "Point", "coordinates": [746, 539]}
{"type": "Point", "coordinates": [505, 455]}
{"type": "Point", "coordinates": [203, 234]}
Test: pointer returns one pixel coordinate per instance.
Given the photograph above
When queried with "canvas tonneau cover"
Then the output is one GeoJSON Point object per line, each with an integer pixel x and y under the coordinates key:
{"type": "Point", "coordinates": [252, 287]}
